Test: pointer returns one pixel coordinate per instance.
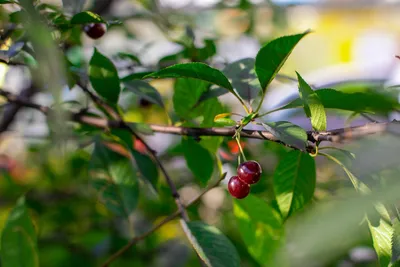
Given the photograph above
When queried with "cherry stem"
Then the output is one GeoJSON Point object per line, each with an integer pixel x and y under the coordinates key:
{"type": "Point", "coordinates": [240, 147]}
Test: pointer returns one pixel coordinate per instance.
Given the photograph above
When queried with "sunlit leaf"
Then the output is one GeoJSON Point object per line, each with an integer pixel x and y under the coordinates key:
{"type": "Point", "coordinates": [86, 17]}
{"type": "Point", "coordinates": [104, 77]}
{"type": "Point", "coordinates": [358, 102]}
{"type": "Point", "coordinates": [382, 240]}
{"type": "Point", "coordinates": [225, 122]}
{"type": "Point", "coordinates": [272, 56]}
{"type": "Point", "coordinates": [260, 227]}
{"type": "Point", "coordinates": [312, 105]}
{"type": "Point", "coordinates": [186, 94]}
{"type": "Point", "coordinates": [195, 70]}
{"type": "Point", "coordinates": [294, 182]}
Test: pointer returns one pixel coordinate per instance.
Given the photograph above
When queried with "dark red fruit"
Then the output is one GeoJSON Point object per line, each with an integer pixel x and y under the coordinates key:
{"type": "Point", "coordinates": [95, 30]}
{"type": "Point", "coordinates": [237, 188]}
{"type": "Point", "coordinates": [249, 172]}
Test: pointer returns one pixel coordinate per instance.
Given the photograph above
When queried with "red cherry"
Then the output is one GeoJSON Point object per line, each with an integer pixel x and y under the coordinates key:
{"type": "Point", "coordinates": [237, 188]}
{"type": "Point", "coordinates": [95, 30]}
{"type": "Point", "coordinates": [249, 172]}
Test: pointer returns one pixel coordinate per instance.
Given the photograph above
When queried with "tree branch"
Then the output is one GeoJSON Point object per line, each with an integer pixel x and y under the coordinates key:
{"type": "Point", "coordinates": [171, 217]}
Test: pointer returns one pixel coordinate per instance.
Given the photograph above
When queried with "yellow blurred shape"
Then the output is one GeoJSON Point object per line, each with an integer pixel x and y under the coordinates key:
{"type": "Point", "coordinates": [3, 216]}
{"type": "Point", "coordinates": [163, 86]}
{"type": "Point", "coordinates": [232, 22]}
{"type": "Point", "coordinates": [133, 116]}
{"type": "Point", "coordinates": [335, 31]}
{"type": "Point", "coordinates": [101, 209]}
{"type": "Point", "coordinates": [169, 231]}
{"type": "Point", "coordinates": [5, 45]}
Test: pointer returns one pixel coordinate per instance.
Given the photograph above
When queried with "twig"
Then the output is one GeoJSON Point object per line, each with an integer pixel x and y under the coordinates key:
{"type": "Point", "coordinates": [99, 102]}
{"type": "Point", "coordinates": [22, 101]}
{"type": "Point", "coordinates": [171, 217]}
{"type": "Point", "coordinates": [171, 184]}
{"type": "Point", "coordinates": [15, 104]}
{"type": "Point", "coordinates": [122, 124]}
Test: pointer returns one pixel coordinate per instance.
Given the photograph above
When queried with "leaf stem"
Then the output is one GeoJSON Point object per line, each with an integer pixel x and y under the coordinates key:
{"type": "Point", "coordinates": [269, 112]}
{"type": "Point", "coordinates": [240, 147]}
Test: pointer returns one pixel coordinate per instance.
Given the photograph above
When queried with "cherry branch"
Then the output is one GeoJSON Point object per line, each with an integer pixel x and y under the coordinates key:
{"type": "Point", "coordinates": [334, 136]}
{"type": "Point", "coordinates": [171, 217]}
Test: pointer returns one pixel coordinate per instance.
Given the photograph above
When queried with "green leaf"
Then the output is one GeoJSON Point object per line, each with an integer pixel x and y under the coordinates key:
{"type": "Point", "coordinates": [134, 58]}
{"type": "Point", "coordinates": [18, 240]}
{"type": "Point", "coordinates": [145, 91]}
{"type": "Point", "coordinates": [135, 76]}
{"type": "Point", "coordinates": [195, 70]}
{"type": "Point", "coordinates": [294, 182]}
{"type": "Point", "coordinates": [243, 78]}
{"type": "Point", "coordinates": [212, 93]}
{"type": "Point", "coordinates": [148, 169]}
{"type": "Point", "coordinates": [186, 94]}
{"type": "Point", "coordinates": [381, 231]}
{"type": "Point", "coordinates": [86, 17]}
{"type": "Point", "coordinates": [288, 133]}
{"type": "Point", "coordinates": [357, 102]}
{"type": "Point", "coordinates": [114, 179]}
{"type": "Point", "coordinates": [260, 227]}
{"type": "Point", "coordinates": [382, 240]}
{"type": "Point", "coordinates": [104, 77]}
{"type": "Point", "coordinates": [272, 56]}
{"type": "Point", "coordinates": [7, 2]}
{"type": "Point", "coordinates": [215, 249]}
{"type": "Point", "coordinates": [203, 53]}
{"type": "Point", "coordinates": [312, 105]}
{"type": "Point", "coordinates": [212, 143]}
{"type": "Point", "coordinates": [395, 242]}
{"type": "Point", "coordinates": [198, 159]}
{"type": "Point", "coordinates": [208, 110]}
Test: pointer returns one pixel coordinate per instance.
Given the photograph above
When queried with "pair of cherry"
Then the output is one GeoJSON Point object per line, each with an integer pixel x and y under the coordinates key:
{"type": "Point", "coordinates": [248, 173]}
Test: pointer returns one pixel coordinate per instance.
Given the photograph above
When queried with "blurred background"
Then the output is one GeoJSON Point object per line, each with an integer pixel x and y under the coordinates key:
{"type": "Point", "coordinates": [353, 47]}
